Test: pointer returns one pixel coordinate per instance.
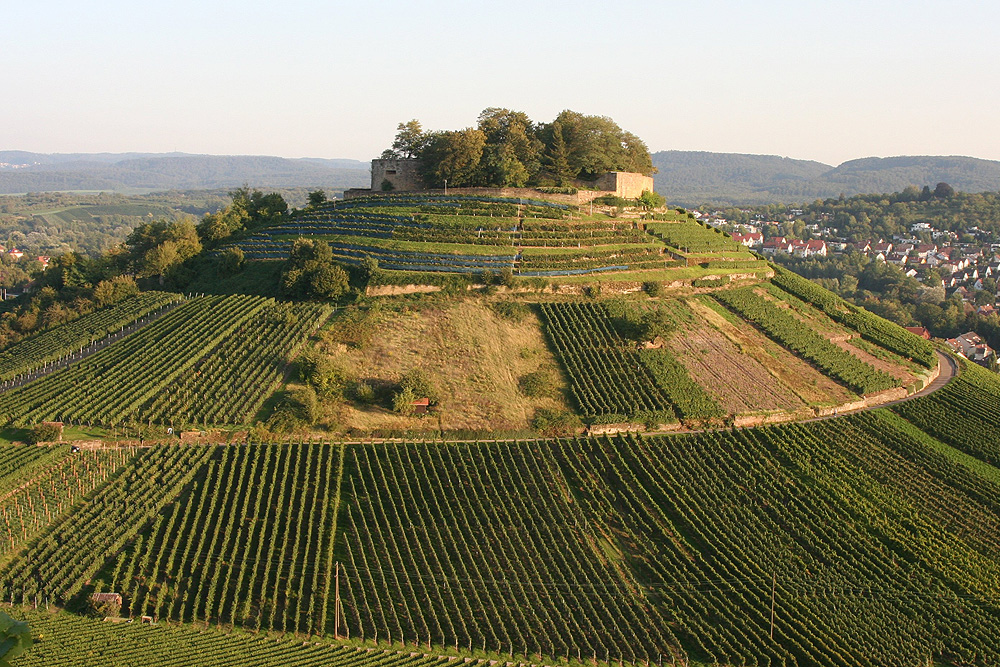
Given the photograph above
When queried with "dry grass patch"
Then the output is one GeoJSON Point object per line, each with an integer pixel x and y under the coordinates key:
{"type": "Point", "coordinates": [473, 358]}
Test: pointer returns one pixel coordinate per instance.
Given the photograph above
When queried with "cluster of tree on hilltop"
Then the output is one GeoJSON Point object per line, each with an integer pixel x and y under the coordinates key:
{"type": "Point", "coordinates": [508, 149]}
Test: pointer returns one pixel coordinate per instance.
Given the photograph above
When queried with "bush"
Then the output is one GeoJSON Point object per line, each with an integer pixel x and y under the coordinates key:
{"type": "Point", "coordinates": [417, 382]}
{"type": "Point", "coordinates": [649, 200]}
{"type": "Point", "coordinates": [652, 288]}
{"type": "Point", "coordinates": [611, 200]}
{"type": "Point", "coordinates": [555, 423]}
{"type": "Point", "coordinates": [363, 392]}
{"type": "Point", "coordinates": [322, 374]}
{"type": "Point", "coordinates": [507, 277]}
{"type": "Point", "coordinates": [44, 433]}
{"type": "Point", "coordinates": [536, 384]}
{"type": "Point", "coordinates": [402, 401]}
{"type": "Point", "coordinates": [515, 311]}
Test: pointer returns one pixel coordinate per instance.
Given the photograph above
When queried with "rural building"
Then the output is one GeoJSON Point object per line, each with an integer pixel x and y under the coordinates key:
{"type": "Point", "coordinates": [920, 331]}
{"type": "Point", "coordinates": [973, 348]}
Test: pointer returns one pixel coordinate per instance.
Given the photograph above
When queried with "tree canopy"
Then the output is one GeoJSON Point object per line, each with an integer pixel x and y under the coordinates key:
{"type": "Point", "coordinates": [508, 149]}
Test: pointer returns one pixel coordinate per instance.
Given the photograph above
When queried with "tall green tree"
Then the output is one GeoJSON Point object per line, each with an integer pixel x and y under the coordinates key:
{"type": "Point", "coordinates": [512, 154]}
{"type": "Point", "coordinates": [453, 156]}
{"type": "Point", "coordinates": [312, 273]}
{"type": "Point", "coordinates": [596, 144]}
{"type": "Point", "coordinates": [556, 157]}
{"type": "Point", "coordinates": [410, 141]}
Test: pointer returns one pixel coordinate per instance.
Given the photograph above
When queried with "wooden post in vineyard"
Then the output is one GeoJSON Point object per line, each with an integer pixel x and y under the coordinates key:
{"type": "Point", "coordinates": [774, 584]}
{"type": "Point", "coordinates": [336, 604]}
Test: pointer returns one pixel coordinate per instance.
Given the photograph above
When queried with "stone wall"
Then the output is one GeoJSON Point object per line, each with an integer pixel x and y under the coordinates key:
{"type": "Point", "coordinates": [624, 183]}
{"type": "Point", "coordinates": [579, 199]}
{"type": "Point", "coordinates": [402, 173]}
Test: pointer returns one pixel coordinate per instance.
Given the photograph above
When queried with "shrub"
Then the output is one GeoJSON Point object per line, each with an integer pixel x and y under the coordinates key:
{"type": "Point", "coordinates": [652, 288]}
{"type": "Point", "coordinates": [402, 401]}
{"type": "Point", "coordinates": [649, 199]}
{"type": "Point", "coordinates": [536, 384]}
{"type": "Point", "coordinates": [417, 381]}
{"type": "Point", "coordinates": [515, 311]}
{"type": "Point", "coordinates": [44, 433]}
{"type": "Point", "coordinates": [363, 392]}
{"type": "Point", "coordinates": [322, 374]}
{"type": "Point", "coordinates": [507, 277]}
{"type": "Point", "coordinates": [555, 423]}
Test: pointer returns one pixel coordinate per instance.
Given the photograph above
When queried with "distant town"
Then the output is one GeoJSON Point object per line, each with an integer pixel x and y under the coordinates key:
{"type": "Point", "coordinates": [932, 256]}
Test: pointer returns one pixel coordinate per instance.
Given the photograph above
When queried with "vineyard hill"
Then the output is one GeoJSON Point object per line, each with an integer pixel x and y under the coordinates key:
{"type": "Point", "coordinates": [539, 434]}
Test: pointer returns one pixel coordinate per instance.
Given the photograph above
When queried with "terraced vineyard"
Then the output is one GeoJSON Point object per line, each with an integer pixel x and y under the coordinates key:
{"type": "Point", "coordinates": [466, 235]}
{"type": "Point", "coordinates": [57, 567]}
{"type": "Point", "coordinates": [37, 493]}
{"type": "Point", "coordinates": [875, 329]}
{"type": "Point", "coordinates": [963, 414]}
{"type": "Point", "coordinates": [167, 370]}
{"type": "Point", "coordinates": [608, 380]}
{"type": "Point", "coordinates": [490, 556]}
{"type": "Point", "coordinates": [875, 547]}
{"type": "Point", "coordinates": [694, 237]}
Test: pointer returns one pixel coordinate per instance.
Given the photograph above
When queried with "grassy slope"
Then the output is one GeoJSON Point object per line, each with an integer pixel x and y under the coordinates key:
{"type": "Point", "coordinates": [473, 357]}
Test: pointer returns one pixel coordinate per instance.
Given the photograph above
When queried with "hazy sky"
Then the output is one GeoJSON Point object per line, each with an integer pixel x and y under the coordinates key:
{"type": "Point", "coordinates": [825, 80]}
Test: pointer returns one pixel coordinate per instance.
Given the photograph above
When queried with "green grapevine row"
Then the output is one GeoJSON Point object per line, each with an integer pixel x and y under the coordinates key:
{"type": "Point", "coordinates": [52, 490]}
{"type": "Point", "coordinates": [878, 330]}
{"type": "Point", "coordinates": [54, 344]}
{"type": "Point", "coordinates": [693, 237]}
{"type": "Point", "coordinates": [483, 550]}
{"type": "Point", "coordinates": [155, 371]}
{"type": "Point", "coordinates": [715, 520]}
{"type": "Point", "coordinates": [249, 544]}
{"type": "Point", "coordinates": [59, 565]}
{"type": "Point", "coordinates": [74, 641]}
{"type": "Point", "coordinates": [834, 361]}
{"type": "Point", "coordinates": [607, 377]}
{"type": "Point", "coordinates": [963, 414]}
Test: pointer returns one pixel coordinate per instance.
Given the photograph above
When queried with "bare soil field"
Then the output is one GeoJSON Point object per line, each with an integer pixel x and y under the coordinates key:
{"type": "Point", "coordinates": [738, 381]}
{"type": "Point", "coordinates": [785, 370]}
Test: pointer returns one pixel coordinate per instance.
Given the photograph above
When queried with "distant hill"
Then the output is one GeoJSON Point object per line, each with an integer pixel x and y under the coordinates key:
{"type": "Point", "coordinates": [686, 178]}
{"type": "Point", "coordinates": [22, 171]}
{"type": "Point", "coordinates": [694, 177]}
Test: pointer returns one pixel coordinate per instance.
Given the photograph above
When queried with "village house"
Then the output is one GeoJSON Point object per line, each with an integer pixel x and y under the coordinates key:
{"type": "Point", "coordinates": [776, 245]}
{"type": "Point", "coordinates": [751, 240]}
{"type": "Point", "coordinates": [882, 248]}
{"type": "Point", "coordinates": [972, 347]}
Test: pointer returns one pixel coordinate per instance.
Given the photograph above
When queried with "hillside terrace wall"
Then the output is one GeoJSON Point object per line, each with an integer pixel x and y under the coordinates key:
{"type": "Point", "coordinates": [581, 197]}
